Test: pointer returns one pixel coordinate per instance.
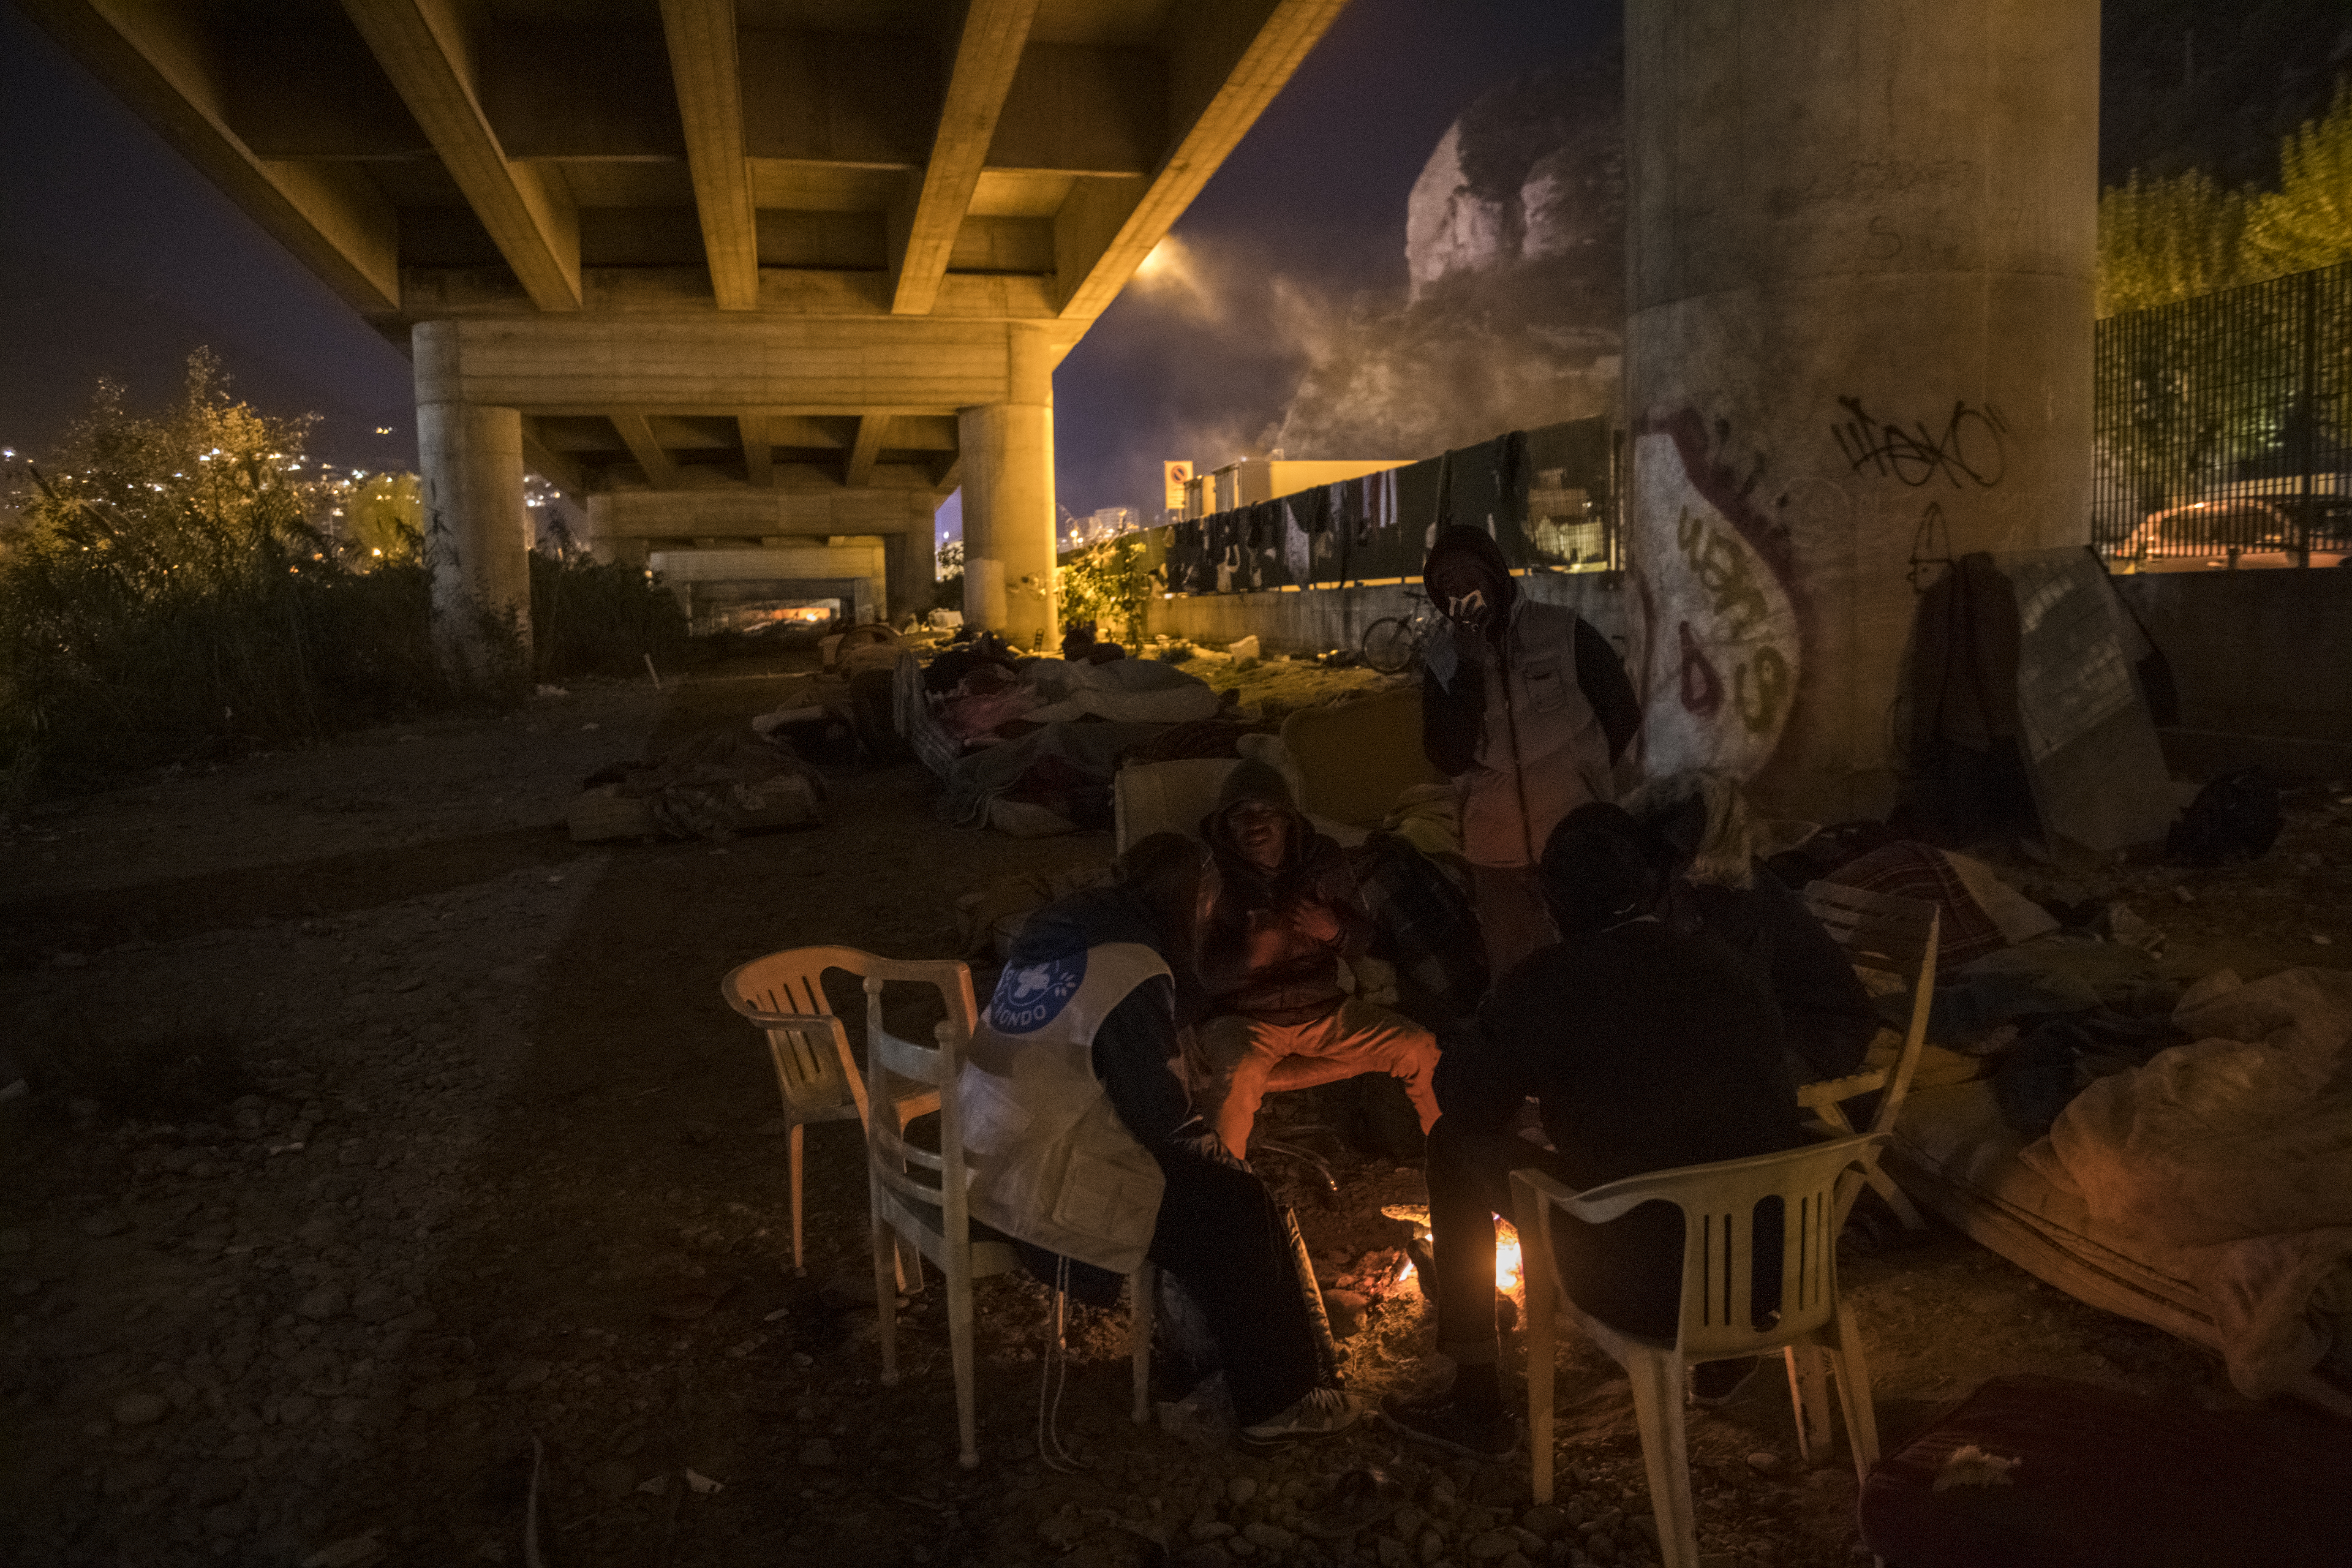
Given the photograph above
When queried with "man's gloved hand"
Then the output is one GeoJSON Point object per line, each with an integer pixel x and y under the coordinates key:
{"type": "Point", "coordinates": [1195, 1136]}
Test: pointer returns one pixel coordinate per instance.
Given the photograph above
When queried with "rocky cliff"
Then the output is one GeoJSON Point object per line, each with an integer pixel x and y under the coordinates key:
{"type": "Point", "coordinates": [1514, 310]}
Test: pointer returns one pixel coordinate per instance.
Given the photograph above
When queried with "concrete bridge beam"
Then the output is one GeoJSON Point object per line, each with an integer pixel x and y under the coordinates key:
{"type": "Point", "coordinates": [476, 540]}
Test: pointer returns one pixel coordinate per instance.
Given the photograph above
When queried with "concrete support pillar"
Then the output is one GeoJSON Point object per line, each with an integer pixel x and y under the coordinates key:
{"type": "Point", "coordinates": [1008, 501]}
{"type": "Point", "coordinates": [1860, 254]}
{"type": "Point", "coordinates": [907, 566]}
{"type": "Point", "coordinates": [476, 540]}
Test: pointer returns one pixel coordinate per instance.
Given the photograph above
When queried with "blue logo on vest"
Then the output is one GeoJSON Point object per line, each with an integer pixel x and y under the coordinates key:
{"type": "Point", "coordinates": [1030, 997]}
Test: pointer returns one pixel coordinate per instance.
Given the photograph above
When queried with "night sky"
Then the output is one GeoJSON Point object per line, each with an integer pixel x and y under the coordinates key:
{"type": "Point", "coordinates": [117, 258]}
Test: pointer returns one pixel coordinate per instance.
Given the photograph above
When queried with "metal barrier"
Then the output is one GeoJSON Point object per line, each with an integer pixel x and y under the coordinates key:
{"type": "Point", "coordinates": [2222, 427]}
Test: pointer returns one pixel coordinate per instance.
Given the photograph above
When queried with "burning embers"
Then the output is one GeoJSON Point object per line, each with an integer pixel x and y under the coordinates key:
{"type": "Point", "coordinates": [1508, 1277]}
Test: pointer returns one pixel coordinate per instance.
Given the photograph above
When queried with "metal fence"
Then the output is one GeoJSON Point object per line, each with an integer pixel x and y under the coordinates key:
{"type": "Point", "coordinates": [1548, 496]}
{"type": "Point", "coordinates": [2224, 426]}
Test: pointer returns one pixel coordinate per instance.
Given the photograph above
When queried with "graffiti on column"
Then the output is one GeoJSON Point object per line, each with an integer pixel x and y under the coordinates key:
{"type": "Point", "coordinates": [1722, 644]}
{"type": "Point", "coordinates": [1970, 448]}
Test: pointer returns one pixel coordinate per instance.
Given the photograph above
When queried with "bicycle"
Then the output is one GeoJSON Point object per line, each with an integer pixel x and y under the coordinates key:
{"type": "Point", "coordinates": [1393, 644]}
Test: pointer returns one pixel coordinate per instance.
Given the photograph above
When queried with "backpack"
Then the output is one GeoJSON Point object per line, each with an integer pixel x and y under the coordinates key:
{"type": "Point", "coordinates": [2235, 817]}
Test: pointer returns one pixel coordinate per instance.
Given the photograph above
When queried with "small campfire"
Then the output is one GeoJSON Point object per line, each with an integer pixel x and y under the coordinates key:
{"type": "Point", "coordinates": [1508, 1277]}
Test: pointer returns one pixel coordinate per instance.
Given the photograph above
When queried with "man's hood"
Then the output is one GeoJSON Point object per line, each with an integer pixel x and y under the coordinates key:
{"type": "Point", "coordinates": [1473, 547]}
{"type": "Point", "coordinates": [1256, 781]}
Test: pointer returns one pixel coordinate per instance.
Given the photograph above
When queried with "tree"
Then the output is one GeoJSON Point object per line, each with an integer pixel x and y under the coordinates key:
{"type": "Point", "coordinates": [2161, 240]}
{"type": "Point", "coordinates": [168, 587]}
{"type": "Point", "coordinates": [2307, 222]}
{"type": "Point", "coordinates": [2166, 240]}
{"type": "Point", "coordinates": [381, 520]}
{"type": "Point", "coordinates": [947, 576]}
{"type": "Point", "coordinates": [1110, 585]}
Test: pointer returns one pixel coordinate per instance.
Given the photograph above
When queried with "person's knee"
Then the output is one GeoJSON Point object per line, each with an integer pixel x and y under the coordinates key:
{"type": "Point", "coordinates": [1223, 1042]}
{"type": "Point", "coordinates": [1451, 1142]}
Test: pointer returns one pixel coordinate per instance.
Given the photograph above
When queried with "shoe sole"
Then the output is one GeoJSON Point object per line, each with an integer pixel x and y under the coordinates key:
{"type": "Point", "coordinates": [1415, 1435]}
{"type": "Point", "coordinates": [1293, 1439]}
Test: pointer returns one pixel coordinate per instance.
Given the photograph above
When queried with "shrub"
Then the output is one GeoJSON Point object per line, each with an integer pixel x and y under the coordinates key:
{"type": "Point", "coordinates": [185, 586]}
{"type": "Point", "coordinates": [169, 595]}
{"type": "Point", "coordinates": [1109, 584]}
{"type": "Point", "coordinates": [592, 617]}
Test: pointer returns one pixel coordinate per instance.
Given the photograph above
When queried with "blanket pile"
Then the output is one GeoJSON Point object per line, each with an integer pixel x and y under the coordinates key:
{"type": "Point", "coordinates": [2231, 1159]}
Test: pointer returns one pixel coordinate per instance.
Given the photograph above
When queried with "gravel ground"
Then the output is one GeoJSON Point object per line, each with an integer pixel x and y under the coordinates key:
{"type": "Point", "coordinates": [386, 1148]}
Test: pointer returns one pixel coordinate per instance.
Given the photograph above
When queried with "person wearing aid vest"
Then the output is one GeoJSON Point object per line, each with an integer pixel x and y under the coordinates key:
{"type": "Point", "coordinates": [1526, 709]}
{"type": "Point", "coordinates": [1084, 1144]}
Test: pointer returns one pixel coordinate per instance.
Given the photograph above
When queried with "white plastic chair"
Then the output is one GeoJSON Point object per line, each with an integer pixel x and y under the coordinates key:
{"type": "Point", "coordinates": [1719, 1203]}
{"type": "Point", "coordinates": [1897, 937]}
{"type": "Point", "coordinates": [784, 995]}
{"type": "Point", "coordinates": [918, 1198]}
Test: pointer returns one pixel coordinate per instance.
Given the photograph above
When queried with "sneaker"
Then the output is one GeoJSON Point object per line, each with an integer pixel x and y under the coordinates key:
{"type": "Point", "coordinates": [1444, 1422]}
{"type": "Point", "coordinates": [1716, 1384]}
{"type": "Point", "coordinates": [1323, 1413]}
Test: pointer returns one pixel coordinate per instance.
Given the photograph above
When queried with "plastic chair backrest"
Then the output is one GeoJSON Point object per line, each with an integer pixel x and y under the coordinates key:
{"type": "Point", "coordinates": [1895, 936]}
{"type": "Point", "coordinates": [1166, 797]}
{"type": "Point", "coordinates": [897, 1164]}
{"type": "Point", "coordinates": [1355, 757]}
{"type": "Point", "coordinates": [785, 995]}
{"type": "Point", "coordinates": [1718, 1202]}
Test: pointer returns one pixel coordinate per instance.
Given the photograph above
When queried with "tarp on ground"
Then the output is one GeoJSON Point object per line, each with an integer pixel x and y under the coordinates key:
{"type": "Point", "coordinates": [1090, 747]}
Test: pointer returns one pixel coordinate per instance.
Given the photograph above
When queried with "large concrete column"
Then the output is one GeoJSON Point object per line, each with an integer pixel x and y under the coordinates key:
{"type": "Point", "coordinates": [1859, 252]}
{"type": "Point", "coordinates": [476, 540]}
{"type": "Point", "coordinates": [1008, 499]}
{"type": "Point", "coordinates": [908, 564]}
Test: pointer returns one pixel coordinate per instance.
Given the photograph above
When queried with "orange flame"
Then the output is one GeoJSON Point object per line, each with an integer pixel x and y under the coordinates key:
{"type": "Point", "coordinates": [1508, 1274]}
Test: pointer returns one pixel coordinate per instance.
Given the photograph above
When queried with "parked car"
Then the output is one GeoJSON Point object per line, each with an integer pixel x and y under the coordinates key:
{"type": "Point", "coordinates": [2244, 532]}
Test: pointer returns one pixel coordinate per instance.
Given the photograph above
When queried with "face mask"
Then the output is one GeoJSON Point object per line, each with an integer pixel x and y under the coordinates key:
{"type": "Point", "coordinates": [1469, 609]}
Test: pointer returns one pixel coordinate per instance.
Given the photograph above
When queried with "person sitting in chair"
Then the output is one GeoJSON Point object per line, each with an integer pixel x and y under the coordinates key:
{"type": "Point", "coordinates": [1648, 1048]}
{"type": "Point", "coordinates": [1287, 913]}
{"type": "Point", "coordinates": [1716, 882]}
{"type": "Point", "coordinates": [1083, 1143]}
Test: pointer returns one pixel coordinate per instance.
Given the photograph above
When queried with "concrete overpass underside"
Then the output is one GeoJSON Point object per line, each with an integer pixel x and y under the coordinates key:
{"type": "Point", "coordinates": [739, 271]}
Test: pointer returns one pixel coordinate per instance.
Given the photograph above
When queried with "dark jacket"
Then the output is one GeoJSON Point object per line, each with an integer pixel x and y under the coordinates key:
{"type": "Point", "coordinates": [1648, 1048]}
{"type": "Point", "coordinates": [1826, 1015]}
{"type": "Point", "coordinates": [1257, 956]}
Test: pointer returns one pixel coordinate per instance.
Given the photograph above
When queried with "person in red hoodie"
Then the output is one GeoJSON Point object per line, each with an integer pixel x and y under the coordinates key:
{"type": "Point", "coordinates": [1288, 912]}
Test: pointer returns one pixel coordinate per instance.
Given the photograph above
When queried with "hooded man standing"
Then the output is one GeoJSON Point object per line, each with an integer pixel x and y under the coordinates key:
{"type": "Point", "coordinates": [1526, 708]}
{"type": "Point", "coordinates": [1287, 913]}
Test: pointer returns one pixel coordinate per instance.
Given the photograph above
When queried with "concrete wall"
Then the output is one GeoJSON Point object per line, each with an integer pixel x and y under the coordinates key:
{"type": "Point", "coordinates": [2263, 661]}
{"type": "Point", "coordinates": [1315, 620]}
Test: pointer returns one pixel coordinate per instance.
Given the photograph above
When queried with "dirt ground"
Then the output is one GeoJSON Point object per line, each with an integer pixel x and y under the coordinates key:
{"type": "Point", "coordinates": [385, 1148]}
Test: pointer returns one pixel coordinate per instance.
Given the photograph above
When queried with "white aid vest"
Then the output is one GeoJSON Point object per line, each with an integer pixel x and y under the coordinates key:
{"type": "Point", "coordinates": [1051, 1161]}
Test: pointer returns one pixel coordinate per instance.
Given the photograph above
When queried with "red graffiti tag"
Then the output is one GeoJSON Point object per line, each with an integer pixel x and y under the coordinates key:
{"type": "Point", "coordinates": [1702, 688]}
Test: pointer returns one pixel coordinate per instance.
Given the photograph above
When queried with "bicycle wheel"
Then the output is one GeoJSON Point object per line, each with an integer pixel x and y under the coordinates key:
{"type": "Point", "coordinates": [1389, 645]}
